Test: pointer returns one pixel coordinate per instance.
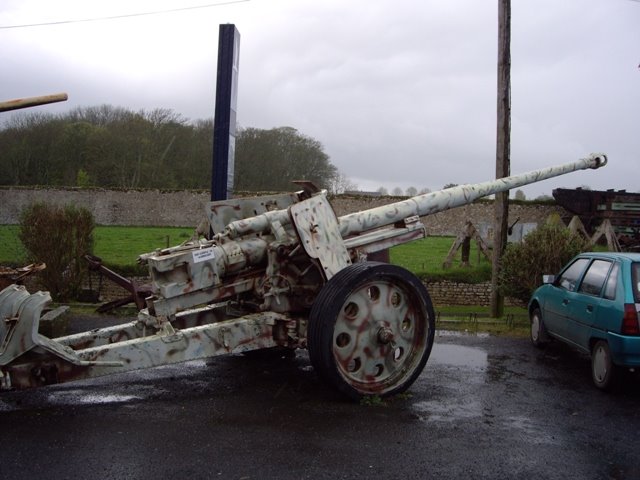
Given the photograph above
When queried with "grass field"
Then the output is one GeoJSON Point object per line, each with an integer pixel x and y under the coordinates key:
{"type": "Point", "coordinates": [425, 258]}
{"type": "Point", "coordinates": [122, 245]}
{"type": "Point", "coordinates": [11, 251]}
{"type": "Point", "coordinates": [117, 246]}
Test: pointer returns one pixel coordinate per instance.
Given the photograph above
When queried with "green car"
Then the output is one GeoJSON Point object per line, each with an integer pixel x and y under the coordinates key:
{"type": "Point", "coordinates": [593, 305]}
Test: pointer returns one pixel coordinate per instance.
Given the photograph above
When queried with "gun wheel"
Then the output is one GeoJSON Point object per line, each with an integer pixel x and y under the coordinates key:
{"type": "Point", "coordinates": [371, 330]}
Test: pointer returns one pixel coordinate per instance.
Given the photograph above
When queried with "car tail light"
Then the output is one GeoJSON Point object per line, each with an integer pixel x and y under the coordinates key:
{"type": "Point", "coordinates": [630, 320]}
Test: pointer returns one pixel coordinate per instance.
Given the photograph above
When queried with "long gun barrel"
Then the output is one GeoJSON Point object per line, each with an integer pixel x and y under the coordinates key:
{"type": "Point", "coordinates": [430, 203]}
{"type": "Point", "coordinates": [19, 103]}
{"type": "Point", "coordinates": [421, 205]}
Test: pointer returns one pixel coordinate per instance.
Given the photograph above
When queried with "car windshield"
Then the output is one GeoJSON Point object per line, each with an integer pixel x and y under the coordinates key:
{"type": "Point", "coordinates": [635, 280]}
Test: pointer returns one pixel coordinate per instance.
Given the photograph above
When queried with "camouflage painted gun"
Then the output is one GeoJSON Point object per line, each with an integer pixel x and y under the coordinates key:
{"type": "Point", "coordinates": [32, 101]}
{"type": "Point", "coordinates": [276, 271]}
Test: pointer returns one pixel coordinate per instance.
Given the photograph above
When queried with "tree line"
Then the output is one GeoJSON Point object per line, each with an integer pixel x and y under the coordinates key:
{"type": "Point", "coordinates": [114, 147]}
{"type": "Point", "coordinates": [109, 147]}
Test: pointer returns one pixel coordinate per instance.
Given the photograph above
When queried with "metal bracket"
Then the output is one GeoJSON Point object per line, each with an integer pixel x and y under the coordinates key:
{"type": "Point", "coordinates": [319, 233]}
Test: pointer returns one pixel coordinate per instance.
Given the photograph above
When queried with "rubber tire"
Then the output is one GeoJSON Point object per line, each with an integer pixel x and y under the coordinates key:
{"type": "Point", "coordinates": [538, 333]}
{"type": "Point", "coordinates": [328, 306]}
{"type": "Point", "coordinates": [604, 373]}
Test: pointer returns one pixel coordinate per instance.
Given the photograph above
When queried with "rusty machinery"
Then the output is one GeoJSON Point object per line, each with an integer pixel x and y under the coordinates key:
{"type": "Point", "coordinates": [275, 271]}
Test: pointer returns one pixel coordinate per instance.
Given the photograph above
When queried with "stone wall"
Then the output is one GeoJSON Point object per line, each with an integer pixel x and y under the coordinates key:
{"type": "Point", "coordinates": [451, 293]}
{"type": "Point", "coordinates": [187, 208]}
{"type": "Point", "coordinates": [112, 207]}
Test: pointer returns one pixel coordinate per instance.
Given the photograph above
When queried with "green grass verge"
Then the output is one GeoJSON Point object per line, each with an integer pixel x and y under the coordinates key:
{"type": "Point", "coordinates": [498, 328]}
{"type": "Point", "coordinates": [425, 258]}
{"type": "Point", "coordinates": [118, 247]}
{"type": "Point", "coordinates": [121, 246]}
{"type": "Point", "coordinates": [11, 249]}
{"type": "Point", "coordinates": [515, 321]}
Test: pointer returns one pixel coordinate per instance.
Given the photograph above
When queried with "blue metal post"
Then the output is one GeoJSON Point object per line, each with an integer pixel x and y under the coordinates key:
{"type": "Point", "coordinates": [224, 123]}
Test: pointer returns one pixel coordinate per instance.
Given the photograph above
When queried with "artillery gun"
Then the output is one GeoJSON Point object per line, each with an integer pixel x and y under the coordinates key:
{"type": "Point", "coordinates": [277, 271]}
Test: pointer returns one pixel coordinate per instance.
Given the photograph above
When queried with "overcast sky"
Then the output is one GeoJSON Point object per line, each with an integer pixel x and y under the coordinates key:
{"type": "Point", "coordinates": [399, 92]}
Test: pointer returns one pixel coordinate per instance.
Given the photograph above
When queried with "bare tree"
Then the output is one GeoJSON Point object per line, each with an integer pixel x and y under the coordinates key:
{"type": "Point", "coordinates": [340, 183]}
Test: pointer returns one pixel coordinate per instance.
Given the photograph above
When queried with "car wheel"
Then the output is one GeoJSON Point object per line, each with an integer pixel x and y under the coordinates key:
{"type": "Point", "coordinates": [538, 333]}
{"type": "Point", "coordinates": [603, 371]}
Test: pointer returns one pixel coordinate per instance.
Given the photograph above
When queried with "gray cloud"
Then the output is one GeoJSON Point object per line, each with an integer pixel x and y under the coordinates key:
{"type": "Point", "coordinates": [399, 92]}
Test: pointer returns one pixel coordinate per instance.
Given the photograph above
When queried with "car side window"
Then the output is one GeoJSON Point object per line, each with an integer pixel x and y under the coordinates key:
{"type": "Point", "coordinates": [595, 277]}
{"type": "Point", "coordinates": [612, 283]}
{"type": "Point", "coordinates": [635, 281]}
{"type": "Point", "coordinates": [569, 278]}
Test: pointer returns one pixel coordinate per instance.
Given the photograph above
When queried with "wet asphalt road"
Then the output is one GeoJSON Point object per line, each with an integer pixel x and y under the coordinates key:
{"type": "Point", "coordinates": [485, 407]}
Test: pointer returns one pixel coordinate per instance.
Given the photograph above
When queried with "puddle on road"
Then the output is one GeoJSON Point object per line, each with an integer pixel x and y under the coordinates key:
{"type": "Point", "coordinates": [457, 333]}
{"type": "Point", "coordinates": [536, 433]}
{"type": "Point", "coordinates": [462, 404]}
{"type": "Point", "coordinates": [439, 411]}
{"type": "Point", "coordinates": [66, 398]}
{"type": "Point", "coordinates": [458, 356]}
{"type": "Point", "coordinates": [102, 390]}
{"type": "Point", "coordinates": [87, 399]}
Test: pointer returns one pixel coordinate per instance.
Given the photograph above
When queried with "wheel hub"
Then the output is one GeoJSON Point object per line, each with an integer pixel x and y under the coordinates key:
{"type": "Point", "coordinates": [385, 335]}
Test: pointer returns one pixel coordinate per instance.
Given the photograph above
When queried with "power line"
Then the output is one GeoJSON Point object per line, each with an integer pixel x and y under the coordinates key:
{"type": "Point", "coordinates": [116, 17]}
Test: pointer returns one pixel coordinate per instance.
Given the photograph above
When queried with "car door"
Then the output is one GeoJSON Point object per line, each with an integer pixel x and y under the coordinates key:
{"type": "Point", "coordinates": [558, 298]}
{"type": "Point", "coordinates": [611, 308]}
{"type": "Point", "coordinates": [585, 303]}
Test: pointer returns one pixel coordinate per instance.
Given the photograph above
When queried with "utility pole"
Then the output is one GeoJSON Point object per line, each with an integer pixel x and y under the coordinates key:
{"type": "Point", "coordinates": [503, 161]}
